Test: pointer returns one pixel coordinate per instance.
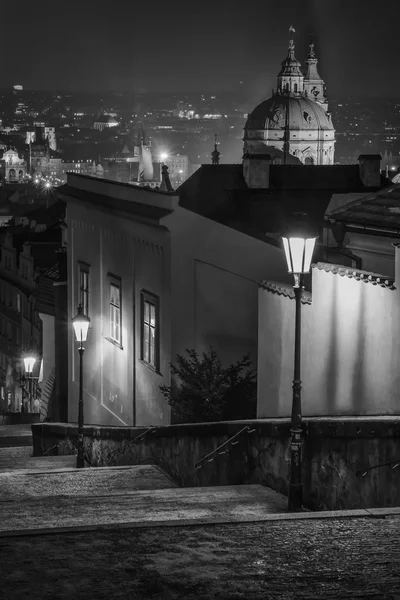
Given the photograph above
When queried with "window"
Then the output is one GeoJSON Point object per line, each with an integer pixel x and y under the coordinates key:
{"type": "Point", "coordinates": [18, 302]}
{"type": "Point", "coordinates": [150, 329]}
{"type": "Point", "coordinates": [84, 287]}
{"type": "Point", "coordinates": [115, 312]}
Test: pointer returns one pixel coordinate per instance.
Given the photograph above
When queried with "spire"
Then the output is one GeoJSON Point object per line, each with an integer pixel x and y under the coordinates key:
{"type": "Point", "coordinates": [165, 185]}
{"type": "Point", "coordinates": [290, 78]}
{"type": "Point", "coordinates": [314, 86]}
{"type": "Point", "coordinates": [215, 154]}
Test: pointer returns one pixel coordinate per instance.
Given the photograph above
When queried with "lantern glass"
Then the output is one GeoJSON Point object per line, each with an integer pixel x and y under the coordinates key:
{"type": "Point", "coordinates": [29, 362]}
{"type": "Point", "coordinates": [81, 325]}
{"type": "Point", "coordinates": [298, 252]}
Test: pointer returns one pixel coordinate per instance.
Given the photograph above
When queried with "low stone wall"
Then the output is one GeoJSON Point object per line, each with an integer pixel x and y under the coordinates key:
{"type": "Point", "coordinates": [334, 450]}
{"type": "Point", "coordinates": [12, 418]}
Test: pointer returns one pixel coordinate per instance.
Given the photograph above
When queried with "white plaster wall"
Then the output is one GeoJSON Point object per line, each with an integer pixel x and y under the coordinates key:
{"type": "Point", "coordinates": [350, 350]}
{"type": "Point", "coordinates": [215, 272]}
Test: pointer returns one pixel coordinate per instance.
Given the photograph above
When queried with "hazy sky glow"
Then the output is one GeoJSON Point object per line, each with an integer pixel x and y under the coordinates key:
{"type": "Point", "coordinates": [207, 45]}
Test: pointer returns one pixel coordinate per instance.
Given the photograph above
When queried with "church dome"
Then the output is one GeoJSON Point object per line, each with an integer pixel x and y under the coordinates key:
{"type": "Point", "coordinates": [295, 113]}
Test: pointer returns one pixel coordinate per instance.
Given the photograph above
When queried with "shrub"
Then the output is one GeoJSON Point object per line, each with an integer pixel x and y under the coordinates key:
{"type": "Point", "coordinates": [203, 390]}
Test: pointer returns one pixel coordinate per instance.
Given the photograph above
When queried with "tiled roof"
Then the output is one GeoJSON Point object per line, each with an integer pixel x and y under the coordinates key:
{"type": "Point", "coordinates": [52, 272]}
{"type": "Point", "coordinates": [380, 209]}
{"type": "Point", "coordinates": [365, 276]}
{"type": "Point", "coordinates": [283, 289]}
{"type": "Point", "coordinates": [45, 302]}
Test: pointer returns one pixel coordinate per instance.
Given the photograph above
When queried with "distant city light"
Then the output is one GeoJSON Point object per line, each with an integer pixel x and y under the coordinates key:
{"type": "Point", "coordinates": [164, 156]}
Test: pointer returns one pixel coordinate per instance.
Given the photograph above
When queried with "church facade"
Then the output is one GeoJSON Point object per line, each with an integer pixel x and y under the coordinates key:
{"type": "Point", "coordinates": [294, 125]}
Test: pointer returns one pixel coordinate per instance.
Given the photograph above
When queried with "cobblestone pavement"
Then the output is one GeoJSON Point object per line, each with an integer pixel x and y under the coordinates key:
{"type": "Point", "coordinates": [286, 560]}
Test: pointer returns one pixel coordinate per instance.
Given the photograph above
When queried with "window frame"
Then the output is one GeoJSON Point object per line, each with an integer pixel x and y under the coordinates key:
{"type": "Point", "coordinates": [84, 294]}
{"type": "Point", "coordinates": [147, 297]}
{"type": "Point", "coordinates": [114, 281]}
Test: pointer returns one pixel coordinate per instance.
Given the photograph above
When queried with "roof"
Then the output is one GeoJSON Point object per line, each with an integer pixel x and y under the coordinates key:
{"type": "Point", "coordinates": [45, 301]}
{"type": "Point", "coordinates": [139, 209]}
{"type": "Point", "coordinates": [283, 289]}
{"type": "Point", "coordinates": [220, 192]}
{"type": "Point", "coordinates": [380, 209]}
{"type": "Point", "coordinates": [359, 275]}
{"type": "Point", "coordinates": [295, 113]}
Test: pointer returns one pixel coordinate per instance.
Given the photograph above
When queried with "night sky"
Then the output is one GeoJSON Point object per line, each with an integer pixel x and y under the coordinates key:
{"type": "Point", "coordinates": [208, 46]}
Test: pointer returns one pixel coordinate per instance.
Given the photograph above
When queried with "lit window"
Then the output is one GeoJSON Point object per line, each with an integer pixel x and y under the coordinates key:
{"type": "Point", "coordinates": [115, 312]}
{"type": "Point", "coordinates": [150, 329]}
{"type": "Point", "coordinates": [84, 287]}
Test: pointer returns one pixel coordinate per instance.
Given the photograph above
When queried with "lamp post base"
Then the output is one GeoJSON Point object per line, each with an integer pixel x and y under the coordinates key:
{"type": "Point", "coordinates": [295, 497]}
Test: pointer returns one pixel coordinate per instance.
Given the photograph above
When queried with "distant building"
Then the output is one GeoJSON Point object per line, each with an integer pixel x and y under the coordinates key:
{"type": "Point", "coordinates": [179, 168]}
{"type": "Point", "coordinates": [44, 133]}
{"type": "Point", "coordinates": [13, 167]}
{"type": "Point", "coordinates": [20, 325]}
{"type": "Point", "coordinates": [293, 126]}
{"type": "Point", "coordinates": [105, 121]}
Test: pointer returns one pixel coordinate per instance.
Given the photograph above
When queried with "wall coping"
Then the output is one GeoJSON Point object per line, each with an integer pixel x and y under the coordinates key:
{"type": "Point", "coordinates": [349, 427]}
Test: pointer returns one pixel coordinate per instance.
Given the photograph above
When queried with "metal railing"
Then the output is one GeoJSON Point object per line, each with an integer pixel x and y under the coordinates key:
{"type": "Point", "coordinates": [392, 463]}
{"type": "Point", "coordinates": [219, 450]}
{"type": "Point", "coordinates": [138, 438]}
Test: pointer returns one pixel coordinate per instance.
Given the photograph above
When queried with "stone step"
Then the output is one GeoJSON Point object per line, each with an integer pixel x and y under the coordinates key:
{"type": "Point", "coordinates": [41, 463]}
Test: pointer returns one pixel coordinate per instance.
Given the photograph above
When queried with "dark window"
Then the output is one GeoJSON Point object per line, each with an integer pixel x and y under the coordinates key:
{"type": "Point", "coordinates": [150, 347]}
{"type": "Point", "coordinates": [115, 312]}
{"type": "Point", "coordinates": [84, 287]}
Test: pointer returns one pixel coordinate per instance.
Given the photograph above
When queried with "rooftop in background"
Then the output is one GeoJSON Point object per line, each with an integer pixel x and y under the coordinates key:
{"type": "Point", "coordinates": [220, 192]}
{"type": "Point", "coordinates": [380, 209]}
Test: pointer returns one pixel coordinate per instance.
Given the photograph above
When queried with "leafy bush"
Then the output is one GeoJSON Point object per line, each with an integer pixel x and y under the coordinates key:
{"type": "Point", "coordinates": [203, 390]}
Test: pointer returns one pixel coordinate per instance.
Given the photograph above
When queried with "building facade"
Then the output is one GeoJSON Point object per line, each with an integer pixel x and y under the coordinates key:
{"type": "Point", "coordinates": [20, 326]}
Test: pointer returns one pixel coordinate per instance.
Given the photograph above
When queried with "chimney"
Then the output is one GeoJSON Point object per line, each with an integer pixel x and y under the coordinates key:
{"type": "Point", "coordinates": [370, 169]}
{"type": "Point", "coordinates": [256, 170]}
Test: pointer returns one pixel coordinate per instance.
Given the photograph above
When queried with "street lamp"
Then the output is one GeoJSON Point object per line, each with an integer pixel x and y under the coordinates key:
{"type": "Point", "coordinates": [81, 325]}
{"type": "Point", "coordinates": [299, 247]}
{"type": "Point", "coordinates": [29, 362]}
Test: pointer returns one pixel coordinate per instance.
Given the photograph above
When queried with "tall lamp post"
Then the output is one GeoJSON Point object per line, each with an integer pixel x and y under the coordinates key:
{"type": "Point", "coordinates": [298, 248]}
{"type": "Point", "coordinates": [81, 325]}
{"type": "Point", "coordinates": [29, 362]}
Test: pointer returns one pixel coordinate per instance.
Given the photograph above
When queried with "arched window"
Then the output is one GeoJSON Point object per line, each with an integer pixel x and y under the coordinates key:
{"type": "Point", "coordinates": [12, 174]}
{"type": "Point", "coordinates": [20, 174]}
{"type": "Point", "coordinates": [295, 87]}
{"type": "Point", "coordinates": [309, 160]}
{"type": "Point", "coordinates": [277, 160]}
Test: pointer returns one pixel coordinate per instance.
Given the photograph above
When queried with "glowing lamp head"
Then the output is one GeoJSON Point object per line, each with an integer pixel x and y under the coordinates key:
{"type": "Point", "coordinates": [299, 251]}
{"type": "Point", "coordinates": [163, 156]}
{"type": "Point", "coordinates": [29, 362]}
{"type": "Point", "coordinates": [36, 180]}
{"type": "Point", "coordinates": [47, 184]}
{"type": "Point", "coordinates": [81, 325]}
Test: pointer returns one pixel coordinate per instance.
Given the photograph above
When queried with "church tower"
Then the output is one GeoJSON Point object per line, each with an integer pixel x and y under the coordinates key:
{"type": "Point", "coordinates": [215, 154]}
{"type": "Point", "coordinates": [314, 86]}
{"type": "Point", "coordinates": [290, 77]}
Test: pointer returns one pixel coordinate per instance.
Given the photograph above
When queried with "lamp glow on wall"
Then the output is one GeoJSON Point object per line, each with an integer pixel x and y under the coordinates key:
{"type": "Point", "coordinates": [81, 324]}
{"type": "Point", "coordinates": [299, 247]}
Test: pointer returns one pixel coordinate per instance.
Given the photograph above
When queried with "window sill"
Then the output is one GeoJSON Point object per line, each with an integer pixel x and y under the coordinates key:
{"type": "Point", "coordinates": [151, 367]}
{"type": "Point", "coordinates": [114, 343]}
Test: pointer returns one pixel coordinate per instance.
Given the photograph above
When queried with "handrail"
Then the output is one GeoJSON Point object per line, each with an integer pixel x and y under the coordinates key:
{"type": "Point", "coordinates": [364, 472]}
{"type": "Point", "coordinates": [131, 442]}
{"type": "Point", "coordinates": [198, 464]}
